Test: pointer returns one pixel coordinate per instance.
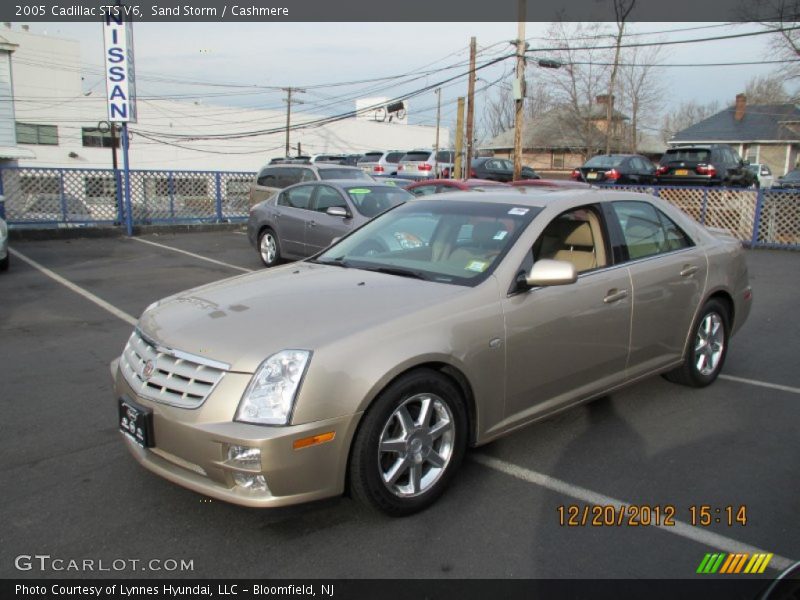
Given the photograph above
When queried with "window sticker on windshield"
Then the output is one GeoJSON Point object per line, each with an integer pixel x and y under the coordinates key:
{"type": "Point", "coordinates": [500, 235]}
{"type": "Point", "coordinates": [362, 191]}
{"type": "Point", "coordinates": [518, 211]}
{"type": "Point", "coordinates": [478, 266]}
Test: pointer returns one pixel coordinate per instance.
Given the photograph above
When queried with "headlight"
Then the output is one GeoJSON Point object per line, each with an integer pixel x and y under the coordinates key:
{"type": "Point", "coordinates": [270, 396]}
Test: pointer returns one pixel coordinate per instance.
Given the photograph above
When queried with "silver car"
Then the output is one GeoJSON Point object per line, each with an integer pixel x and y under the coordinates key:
{"type": "Point", "coordinates": [305, 218]}
{"type": "Point", "coordinates": [373, 372]}
{"type": "Point", "coordinates": [426, 164]}
{"type": "Point", "coordinates": [4, 254]}
{"type": "Point", "coordinates": [381, 163]}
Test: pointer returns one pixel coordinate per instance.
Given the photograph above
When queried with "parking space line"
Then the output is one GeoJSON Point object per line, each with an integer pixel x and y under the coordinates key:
{"type": "Point", "coordinates": [696, 534]}
{"type": "Point", "coordinates": [186, 252]}
{"type": "Point", "coordinates": [765, 384]}
{"type": "Point", "coordinates": [78, 290]}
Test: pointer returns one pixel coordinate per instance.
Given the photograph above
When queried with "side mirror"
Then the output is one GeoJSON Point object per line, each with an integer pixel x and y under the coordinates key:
{"type": "Point", "coordinates": [546, 272]}
{"type": "Point", "coordinates": [338, 211]}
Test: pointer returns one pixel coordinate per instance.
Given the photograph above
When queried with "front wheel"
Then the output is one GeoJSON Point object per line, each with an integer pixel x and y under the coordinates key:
{"type": "Point", "coordinates": [410, 444]}
{"type": "Point", "coordinates": [269, 248]}
{"type": "Point", "coordinates": [708, 348]}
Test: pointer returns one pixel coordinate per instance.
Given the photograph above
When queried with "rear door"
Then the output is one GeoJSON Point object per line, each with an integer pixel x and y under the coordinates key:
{"type": "Point", "coordinates": [293, 210]}
{"type": "Point", "coordinates": [321, 227]}
{"type": "Point", "coordinates": [668, 272]}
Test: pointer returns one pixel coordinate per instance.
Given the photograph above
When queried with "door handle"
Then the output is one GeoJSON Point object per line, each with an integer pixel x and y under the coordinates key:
{"type": "Point", "coordinates": [688, 270]}
{"type": "Point", "coordinates": [312, 224]}
{"type": "Point", "coordinates": [615, 295]}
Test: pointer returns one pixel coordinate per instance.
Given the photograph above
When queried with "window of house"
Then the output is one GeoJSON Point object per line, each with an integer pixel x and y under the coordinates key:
{"type": "Point", "coordinates": [751, 153]}
{"type": "Point", "coordinates": [92, 137]}
{"type": "Point", "coordinates": [558, 160]}
{"type": "Point", "coordinates": [30, 133]}
{"type": "Point", "coordinates": [99, 188]}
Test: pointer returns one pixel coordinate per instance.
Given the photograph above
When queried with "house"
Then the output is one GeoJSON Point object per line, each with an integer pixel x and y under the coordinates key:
{"type": "Point", "coordinates": [762, 133]}
{"type": "Point", "coordinates": [561, 140]}
{"type": "Point", "coordinates": [9, 151]}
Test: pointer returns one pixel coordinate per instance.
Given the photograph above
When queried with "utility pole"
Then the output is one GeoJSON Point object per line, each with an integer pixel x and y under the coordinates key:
{"type": "Point", "coordinates": [471, 102]}
{"type": "Point", "coordinates": [438, 118]}
{"type": "Point", "coordinates": [459, 138]}
{"type": "Point", "coordinates": [289, 91]}
{"type": "Point", "coordinates": [519, 90]}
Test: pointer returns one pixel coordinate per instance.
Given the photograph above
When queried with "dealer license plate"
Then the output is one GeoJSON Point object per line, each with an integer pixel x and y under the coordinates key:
{"type": "Point", "coordinates": [136, 421]}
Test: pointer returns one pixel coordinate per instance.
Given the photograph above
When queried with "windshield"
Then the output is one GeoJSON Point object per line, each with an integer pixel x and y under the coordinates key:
{"type": "Point", "coordinates": [697, 155]}
{"type": "Point", "coordinates": [791, 176]}
{"type": "Point", "coordinates": [372, 201]}
{"type": "Point", "coordinates": [351, 173]}
{"type": "Point", "coordinates": [604, 162]}
{"type": "Point", "coordinates": [448, 241]}
{"type": "Point", "coordinates": [370, 157]}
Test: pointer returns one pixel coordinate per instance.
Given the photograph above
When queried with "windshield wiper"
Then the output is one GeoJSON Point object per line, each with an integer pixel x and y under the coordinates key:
{"type": "Point", "coordinates": [336, 262]}
{"type": "Point", "coordinates": [397, 271]}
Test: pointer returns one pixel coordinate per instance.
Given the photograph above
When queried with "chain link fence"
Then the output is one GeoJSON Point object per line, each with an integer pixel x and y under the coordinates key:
{"type": "Point", "coordinates": [75, 197]}
{"type": "Point", "coordinates": [47, 197]}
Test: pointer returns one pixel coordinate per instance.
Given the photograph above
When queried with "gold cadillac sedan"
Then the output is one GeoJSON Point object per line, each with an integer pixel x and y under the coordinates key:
{"type": "Point", "coordinates": [444, 323]}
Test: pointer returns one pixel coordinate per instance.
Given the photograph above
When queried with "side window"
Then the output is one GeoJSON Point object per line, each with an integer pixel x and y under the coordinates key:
{"type": "Point", "coordinates": [423, 190]}
{"type": "Point", "coordinates": [575, 236]}
{"type": "Point", "coordinates": [643, 230]}
{"type": "Point", "coordinates": [299, 197]}
{"type": "Point", "coordinates": [765, 170]}
{"type": "Point", "coordinates": [267, 178]}
{"type": "Point", "coordinates": [307, 175]}
{"type": "Point", "coordinates": [327, 197]}
{"type": "Point", "coordinates": [676, 237]}
{"type": "Point", "coordinates": [508, 165]}
{"type": "Point", "coordinates": [291, 175]}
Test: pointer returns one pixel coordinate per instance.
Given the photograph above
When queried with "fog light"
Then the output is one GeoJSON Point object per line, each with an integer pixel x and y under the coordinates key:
{"type": "Point", "coordinates": [257, 483]}
{"type": "Point", "coordinates": [245, 457]}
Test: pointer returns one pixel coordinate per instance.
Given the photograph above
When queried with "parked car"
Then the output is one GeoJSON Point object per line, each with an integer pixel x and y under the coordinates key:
{"type": "Point", "coordinates": [707, 164]}
{"type": "Point", "coordinates": [373, 371]}
{"type": "Point", "coordinates": [789, 181]}
{"type": "Point", "coordinates": [272, 178]}
{"type": "Point", "coordinates": [381, 163]}
{"type": "Point", "coordinates": [630, 169]}
{"type": "Point", "coordinates": [425, 164]}
{"type": "Point", "coordinates": [438, 186]}
{"type": "Point", "coordinates": [549, 183]}
{"type": "Point", "coordinates": [762, 173]}
{"type": "Point", "coordinates": [498, 169]}
{"type": "Point", "coordinates": [304, 218]}
{"type": "Point", "coordinates": [4, 253]}
{"type": "Point", "coordinates": [291, 160]}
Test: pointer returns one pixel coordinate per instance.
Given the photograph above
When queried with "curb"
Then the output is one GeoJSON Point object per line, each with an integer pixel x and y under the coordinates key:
{"type": "Point", "coordinates": [71, 233]}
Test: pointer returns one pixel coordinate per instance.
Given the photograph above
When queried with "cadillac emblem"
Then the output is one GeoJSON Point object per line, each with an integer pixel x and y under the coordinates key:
{"type": "Point", "coordinates": [149, 369]}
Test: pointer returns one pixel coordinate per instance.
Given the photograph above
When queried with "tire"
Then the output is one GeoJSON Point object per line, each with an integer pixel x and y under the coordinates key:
{"type": "Point", "coordinates": [5, 262]}
{"type": "Point", "coordinates": [708, 347]}
{"type": "Point", "coordinates": [393, 444]}
{"type": "Point", "coordinates": [269, 248]}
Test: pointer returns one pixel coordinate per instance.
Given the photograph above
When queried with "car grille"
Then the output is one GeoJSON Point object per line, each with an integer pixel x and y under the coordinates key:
{"type": "Point", "coordinates": [174, 378]}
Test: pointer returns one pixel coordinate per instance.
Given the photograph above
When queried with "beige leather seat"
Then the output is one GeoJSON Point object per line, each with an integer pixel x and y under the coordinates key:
{"type": "Point", "coordinates": [483, 246]}
{"type": "Point", "coordinates": [578, 247]}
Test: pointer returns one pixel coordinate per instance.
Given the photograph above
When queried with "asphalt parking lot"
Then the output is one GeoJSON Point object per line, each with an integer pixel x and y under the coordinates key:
{"type": "Point", "coordinates": [71, 490]}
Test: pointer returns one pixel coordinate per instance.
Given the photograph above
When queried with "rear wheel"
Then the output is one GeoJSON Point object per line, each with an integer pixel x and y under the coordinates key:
{"type": "Point", "coordinates": [410, 444]}
{"type": "Point", "coordinates": [708, 347]}
{"type": "Point", "coordinates": [269, 248]}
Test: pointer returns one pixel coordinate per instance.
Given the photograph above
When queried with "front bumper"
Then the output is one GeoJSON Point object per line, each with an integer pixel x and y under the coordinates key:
{"type": "Point", "coordinates": [192, 452]}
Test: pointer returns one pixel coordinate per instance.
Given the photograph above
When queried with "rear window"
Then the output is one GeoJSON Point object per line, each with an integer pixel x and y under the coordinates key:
{"type": "Point", "coordinates": [343, 174]}
{"type": "Point", "coordinates": [372, 201]}
{"type": "Point", "coordinates": [371, 157]}
{"type": "Point", "coordinates": [416, 156]}
{"type": "Point", "coordinates": [699, 155]}
{"type": "Point", "coordinates": [604, 162]}
{"type": "Point", "coordinates": [394, 157]}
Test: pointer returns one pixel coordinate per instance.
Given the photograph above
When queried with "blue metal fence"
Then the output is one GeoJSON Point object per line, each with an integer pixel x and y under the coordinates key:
{"type": "Point", "coordinates": [56, 197]}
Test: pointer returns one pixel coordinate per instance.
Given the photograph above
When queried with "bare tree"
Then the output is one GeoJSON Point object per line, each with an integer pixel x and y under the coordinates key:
{"type": "Point", "coordinates": [686, 115]}
{"type": "Point", "coordinates": [622, 9]}
{"type": "Point", "coordinates": [498, 112]}
{"type": "Point", "coordinates": [766, 89]}
{"type": "Point", "coordinates": [641, 89]}
{"type": "Point", "coordinates": [582, 77]}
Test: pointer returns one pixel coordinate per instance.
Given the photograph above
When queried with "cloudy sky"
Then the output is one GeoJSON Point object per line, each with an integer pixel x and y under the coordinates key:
{"type": "Point", "coordinates": [308, 54]}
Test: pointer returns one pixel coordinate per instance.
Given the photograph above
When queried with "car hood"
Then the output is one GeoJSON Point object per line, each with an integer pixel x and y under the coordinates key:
{"type": "Point", "coordinates": [243, 320]}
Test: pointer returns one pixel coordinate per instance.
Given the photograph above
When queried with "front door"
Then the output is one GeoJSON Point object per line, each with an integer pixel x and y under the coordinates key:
{"type": "Point", "coordinates": [321, 228]}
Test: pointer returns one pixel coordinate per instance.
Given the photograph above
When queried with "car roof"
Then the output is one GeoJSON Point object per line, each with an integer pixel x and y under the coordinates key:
{"type": "Point", "coordinates": [535, 198]}
{"type": "Point", "coordinates": [347, 183]}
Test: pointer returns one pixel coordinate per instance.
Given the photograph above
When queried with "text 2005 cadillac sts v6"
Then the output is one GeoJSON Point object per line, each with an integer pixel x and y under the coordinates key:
{"type": "Point", "coordinates": [444, 323]}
